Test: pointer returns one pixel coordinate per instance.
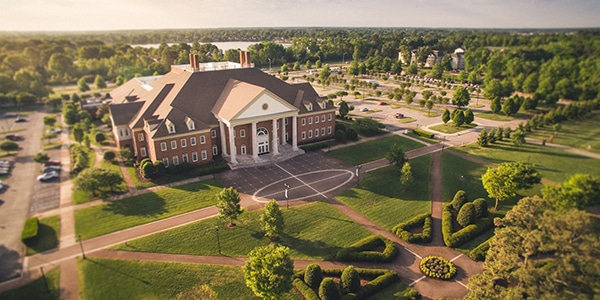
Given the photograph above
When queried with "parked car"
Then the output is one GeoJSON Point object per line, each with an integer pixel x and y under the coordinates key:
{"type": "Point", "coordinates": [382, 103]}
{"type": "Point", "coordinates": [48, 176]}
{"type": "Point", "coordinates": [51, 169]}
{"type": "Point", "coordinates": [52, 163]}
{"type": "Point", "coordinates": [399, 116]}
{"type": "Point", "coordinates": [13, 137]}
{"type": "Point", "coordinates": [20, 119]}
{"type": "Point", "coordinates": [2, 186]}
{"type": "Point", "coordinates": [10, 115]}
{"type": "Point", "coordinates": [364, 109]}
{"type": "Point", "coordinates": [54, 130]}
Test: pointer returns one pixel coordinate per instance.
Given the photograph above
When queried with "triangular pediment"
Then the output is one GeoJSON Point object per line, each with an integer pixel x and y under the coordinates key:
{"type": "Point", "coordinates": [264, 104]}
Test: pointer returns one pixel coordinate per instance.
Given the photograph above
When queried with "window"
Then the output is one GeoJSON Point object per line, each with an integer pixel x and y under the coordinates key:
{"type": "Point", "coordinates": [213, 133]}
{"type": "Point", "coordinates": [143, 152]}
{"type": "Point", "coordinates": [175, 160]}
{"type": "Point", "coordinates": [163, 146]}
{"type": "Point", "coordinates": [121, 131]}
{"type": "Point", "coordinates": [166, 161]}
{"type": "Point", "coordinates": [309, 107]}
{"type": "Point", "coordinates": [204, 155]}
{"type": "Point", "coordinates": [286, 121]}
{"type": "Point", "coordinates": [329, 117]}
{"type": "Point", "coordinates": [287, 138]}
{"type": "Point", "coordinates": [215, 150]}
{"type": "Point", "coordinates": [173, 144]}
{"type": "Point", "coordinates": [322, 130]}
{"type": "Point", "coordinates": [193, 141]}
{"type": "Point", "coordinates": [194, 156]}
{"type": "Point", "coordinates": [303, 121]}
{"type": "Point", "coordinates": [126, 131]}
{"type": "Point", "coordinates": [317, 132]}
{"type": "Point", "coordinates": [140, 137]}
{"type": "Point", "coordinates": [309, 120]}
{"type": "Point", "coordinates": [324, 104]}
{"type": "Point", "coordinates": [316, 119]}
{"type": "Point", "coordinates": [171, 128]}
{"type": "Point", "coordinates": [303, 135]}
{"type": "Point", "coordinates": [243, 149]}
{"type": "Point", "coordinates": [242, 132]}
{"type": "Point", "coordinates": [183, 143]}
{"type": "Point", "coordinates": [310, 134]}
{"type": "Point", "coordinates": [184, 158]}
{"type": "Point", "coordinates": [190, 124]}
{"type": "Point", "coordinates": [323, 118]}
{"type": "Point", "coordinates": [329, 130]}
{"type": "Point", "coordinates": [202, 140]}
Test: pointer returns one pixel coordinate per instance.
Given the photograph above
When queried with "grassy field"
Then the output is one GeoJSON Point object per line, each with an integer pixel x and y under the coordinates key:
{"type": "Point", "coordinates": [554, 164]}
{"type": "Point", "coordinates": [450, 128]}
{"type": "Point", "coordinates": [37, 289]}
{"type": "Point", "coordinates": [314, 231]}
{"type": "Point", "coordinates": [488, 115]}
{"type": "Point", "coordinates": [141, 184]}
{"type": "Point", "coordinates": [392, 292]}
{"type": "Point", "coordinates": [373, 150]}
{"type": "Point", "coordinates": [47, 238]}
{"type": "Point", "coordinates": [406, 120]}
{"type": "Point", "coordinates": [83, 197]}
{"type": "Point", "coordinates": [124, 279]}
{"type": "Point", "coordinates": [381, 198]}
{"type": "Point", "coordinates": [453, 167]}
{"type": "Point", "coordinates": [113, 216]}
{"type": "Point", "coordinates": [574, 133]}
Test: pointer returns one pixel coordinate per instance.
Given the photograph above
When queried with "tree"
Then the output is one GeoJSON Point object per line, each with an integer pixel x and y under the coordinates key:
{"type": "Point", "coordinates": [427, 94]}
{"type": "Point", "coordinates": [268, 271]}
{"type": "Point", "coordinates": [41, 158]}
{"type": "Point", "coordinates": [328, 290]}
{"type": "Point", "coordinates": [466, 215]}
{"type": "Point", "coordinates": [49, 120]}
{"type": "Point", "coordinates": [97, 180]}
{"type": "Point", "coordinates": [446, 116]}
{"type": "Point", "coordinates": [54, 102]}
{"type": "Point", "coordinates": [126, 156]}
{"type": "Point", "coordinates": [344, 109]}
{"type": "Point", "coordinates": [228, 204]}
{"type": "Point", "coordinates": [503, 181]}
{"type": "Point", "coordinates": [507, 107]}
{"type": "Point", "coordinates": [481, 208]}
{"type": "Point", "coordinates": [325, 72]}
{"type": "Point", "coordinates": [99, 82]}
{"type": "Point", "coordinates": [469, 117]}
{"type": "Point", "coordinates": [496, 106]}
{"type": "Point", "coordinates": [198, 292]}
{"type": "Point", "coordinates": [460, 198]}
{"type": "Point", "coordinates": [483, 140]}
{"type": "Point", "coordinates": [518, 137]}
{"type": "Point", "coordinates": [461, 97]}
{"type": "Point", "coordinates": [272, 220]}
{"type": "Point", "coordinates": [78, 133]}
{"type": "Point", "coordinates": [82, 85]}
{"type": "Point", "coordinates": [396, 155]}
{"type": "Point", "coordinates": [579, 191]}
{"type": "Point", "coordinates": [406, 179]}
{"type": "Point", "coordinates": [109, 155]}
{"type": "Point", "coordinates": [99, 137]}
{"type": "Point", "coordinates": [313, 276]}
{"type": "Point", "coordinates": [429, 106]}
{"type": "Point", "coordinates": [340, 136]}
{"type": "Point", "coordinates": [458, 117]}
{"type": "Point", "coordinates": [8, 146]}
{"type": "Point", "coordinates": [349, 281]}
{"type": "Point", "coordinates": [341, 94]}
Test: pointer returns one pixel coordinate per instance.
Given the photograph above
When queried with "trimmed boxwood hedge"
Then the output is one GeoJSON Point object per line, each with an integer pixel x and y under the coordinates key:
{"type": "Point", "coordinates": [423, 133]}
{"type": "Point", "coordinates": [479, 252]}
{"type": "Point", "coordinates": [314, 146]}
{"type": "Point", "coordinates": [30, 229]}
{"type": "Point", "coordinates": [359, 251]}
{"type": "Point", "coordinates": [402, 229]}
{"type": "Point", "coordinates": [437, 267]}
{"type": "Point", "coordinates": [454, 239]}
{"type": "Point", "coordinates": [305, 290]}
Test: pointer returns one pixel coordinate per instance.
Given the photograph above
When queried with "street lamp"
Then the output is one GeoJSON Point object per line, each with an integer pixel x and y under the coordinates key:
{"type": "Point", "coordinates": [81, 246]}
{"type": "Point", "coordinates": [218, 240]}
{"type": "Point", "coordinates": [357, 173]}
{"type": "Point", "coordinates": [269, 63]}
{"type": "Point", "coordinates": [443, 140]}
{"type": "Point", "coordinates": [287, 199]}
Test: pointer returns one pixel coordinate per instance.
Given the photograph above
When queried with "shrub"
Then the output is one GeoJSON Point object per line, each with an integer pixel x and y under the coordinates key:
{"type": "Point", "coordinates": [313, 276]}
{"type": "Point", "coordinates": [79, 158]}
{"type": "Point", "coordinates": [479, 252]}
{"type": "Point", "coordinates": [99, 137]}
{"type": "Point", "coordinates": [340, 126]}
{"type": "Point", "coordinates": [457, 238]}
{"type": "Point", "coordinates": [460, 198]}
{"type": "Point", "coordinates": [305, 290]}
{"type": "Point", "coordinates": [378, 284]}
{"type": "Point", "coordinates": [467, 215]}
{"type": "Point", "coordinates": [481, 208]}
{"type": "Point", "coordinates": [30, 229]}
{"type": "Point", "coordinates": [340, 136]}
{"type": "Point", "coordinates": [368, 127]}
{"type": "Point", "coordinates": [351, 134]}
{"type": "Point", "coordinates": [359, 250]}
{"type": "Point", "coordinates": [147, 169]}
{"type": "Point", "coordinates": [402, 229]}
{"type": "Point", "coordinates": [423, 133]}
{"type": "Point", "coordinates": [213, 167]}
{"type": "Point", "coordinates": [350, 281]}
{"type": "Point", "coordinates": [437, 267]}
{"type": "Point", "coordinates": [328, 290]}
{"type": "Point", "coordinates": [159, 168]}
{"type": "Point", "coordinates": [315, 146]}
{"type": "Point", "coordinates": [109, 155]}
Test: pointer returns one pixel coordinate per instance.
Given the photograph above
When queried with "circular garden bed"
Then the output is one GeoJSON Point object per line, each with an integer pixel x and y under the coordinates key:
{"type": "Point", "coordinates": [437, 267]}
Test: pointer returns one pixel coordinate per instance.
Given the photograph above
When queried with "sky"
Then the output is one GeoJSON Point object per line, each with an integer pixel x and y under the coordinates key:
{"type": "Point", "coordinates": [85, 15]}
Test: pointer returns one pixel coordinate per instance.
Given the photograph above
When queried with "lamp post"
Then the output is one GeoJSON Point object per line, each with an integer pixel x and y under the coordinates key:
{"type": "Point", "coordinates": [357, 173]}
{"type": "Point", "coordinates": [287, 199]}
{"type": "Point", "coordinates": [443, 140]}
{"type": "Point", "coordinates": [81, 246]}
{"type": "Point", "coordinates": [269, 63]}
{"type": "Point", "coordinates": [218, 240]}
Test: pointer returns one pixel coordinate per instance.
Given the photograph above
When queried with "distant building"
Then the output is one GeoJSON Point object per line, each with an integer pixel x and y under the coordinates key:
{"type": "Point", "coordinates": [458, 59]}
{"type": "Point", "coordinates": [200, 111]}
{"type": "Point", "coordinates": [433, 58]}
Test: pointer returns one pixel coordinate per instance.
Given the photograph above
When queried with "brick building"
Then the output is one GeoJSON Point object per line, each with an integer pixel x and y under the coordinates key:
{"type": "Point", "coordinates": [202, 110]}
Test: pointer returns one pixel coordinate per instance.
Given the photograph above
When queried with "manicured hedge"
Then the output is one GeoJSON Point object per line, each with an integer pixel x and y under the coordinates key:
{"type": "Point", "coordinates": [480, 251]}
{"type": "Point", "coordinates": [402, 229]}
{"type": "Point", "coordinates": [437, 267]}
{"type": "Point", "coordinates": [359, 251]}
{"type": "Point", "coordinates": [305, 290]}
{"type": "Point", "coordinates": [454, 239]}
{"type": "Point", "coordinates": [423, 133]}
{"type": "Point", "coordinates": [315, 146]}
{"type": "Point", "coordinates": [214, 167]}
{"type": "Point", "coordinates": [30, 229]}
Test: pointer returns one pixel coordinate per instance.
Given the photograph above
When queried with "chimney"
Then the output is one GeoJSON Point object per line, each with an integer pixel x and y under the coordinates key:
{"type": "Point", "coordinates": [191, 56]}
{"type": "Point", "coordinates": [242, 58]}
{"type": "Point", "coordinates": [247, 59]}
{"type": "Point", "coordinates": [196, 63]}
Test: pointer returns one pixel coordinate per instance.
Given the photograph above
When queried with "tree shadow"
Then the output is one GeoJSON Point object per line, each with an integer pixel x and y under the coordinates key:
{"type": "Point", "coordinates": [147, 205]}
{"type": "Point", "coordinates": [45, 240]}
{"type": "Point", "coordinates": [11, 263]}
{"type": "Point", "coordinates": [132, 276]}
{"type": "Point", "coordinates": [309, 248]}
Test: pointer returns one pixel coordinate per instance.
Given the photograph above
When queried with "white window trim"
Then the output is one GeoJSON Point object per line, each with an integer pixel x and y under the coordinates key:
{"type": "Point", "coordinates": [310, 134]}
{"type": "Point", "coordinates": [317, 132]}
{"type": "Point", "coordinates": [140, 137]}
{"type": "Point", "coordinates": [183, 143]}
{"type": "Point", "coordinates": [329, 117]}
{"type": "Point", "coordinates": [316, 119]}
{"type": "Point", "coordinates": [165, 161]}
{"type": "Point", "coordinates": [171, 128]}
{"type": "Point", "coordinates": [194, 156]}
{"type": "Point", "coordinates": [202, 140]}
{"type": "Point", "coordinates": [303, 121]}
{"type": "Point", "coordinates": [309, 120]}
{"type": "Point", "coordinates": [185, 158]}
{"type": "Point", "coordinates": [329, 130]}
{"type": "Point", "coordinates": [323, 118]}
{"type": "Point", "coordinates": [322, 130]}
{"type": "Point", "coordinates": [173, 145]}
{"type": "Point", "coordinates": [243, 149]}
{"type": "Point", "coordinates": [242, 132]}
{"type": "Point", "coordinates": [204, 155]}
{"type": "Point", "coordinates": [163, 146]}
{"type": "Point", "coordinates": [193, 141]}
{"type": "Point", "coordinates": [215, 150]}
{"type": "Point", "coordinates": [213, 133]}
{"type": "Point", "coordinates": [175, 160]}
{"type": "Point", "coordinates": [143, 152]}
{"type": "Point", "coordinates": [303, 135]}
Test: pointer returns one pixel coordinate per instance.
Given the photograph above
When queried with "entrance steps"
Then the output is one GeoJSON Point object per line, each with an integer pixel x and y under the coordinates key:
{"type": "Point", "coordinates": [246, 161]}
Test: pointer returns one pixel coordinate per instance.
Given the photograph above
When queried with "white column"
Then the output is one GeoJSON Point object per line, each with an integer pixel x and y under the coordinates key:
{"type": "Point", "coordinates": [223, 141]}
{"type": "Point", "coordinates": [295, 133]}
{"type": "Point", "coordinates": [275, 144]}
{"type": "Point", "coordinates": [283, 130]}
{"type": "Point", "coordinates": [232, 145]}
{"type": "Point", "coordinates": [254, 142]}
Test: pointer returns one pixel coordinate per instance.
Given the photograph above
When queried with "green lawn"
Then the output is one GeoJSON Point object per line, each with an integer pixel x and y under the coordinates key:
{"type": "Point", "coordinates": [488, 115]}
{"type": "Point", "coordinates": [394, 291]}
{"type": "Point", "coordinates": [141, 184]}
{"type": "Point", "coordinates": [555, 165]}
{"type": "Point", "coordinates": [113, 216]}
{"type": "Point", "coordinates": [83, 197]}
{"type": "Point", "coordinates": [574, 133]}
{"type": "Point", "coordinates": [381, 198]}
{"type": "Point", "coordinates": [125, 279]}
{"type": "Point", "coordinates": [453, 167]}
{"type": "Point", "coordinates": [37, 289]}
{"type": "Point", "coordinates": [47, 238]}
{"type": "Point", "coordinates": [373, 150]}
{"type": "Point", "coordinates": [450, 128]}
{"type": "Point", "coordinates": [313, 231]}
{"type": "Point", "coordinates": [406, 120]}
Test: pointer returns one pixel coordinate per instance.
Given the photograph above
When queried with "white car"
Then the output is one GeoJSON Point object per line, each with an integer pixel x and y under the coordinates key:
{"type": "Point", "coordinates": [364, 109]}
{"type": "Point", "coordinates": [48, 176]}
{"type": "Point", "coordinates": [49, 169]}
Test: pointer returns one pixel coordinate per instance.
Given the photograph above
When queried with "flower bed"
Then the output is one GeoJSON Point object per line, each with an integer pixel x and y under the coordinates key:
{"type": "Point", "coordinates": [437, 267]}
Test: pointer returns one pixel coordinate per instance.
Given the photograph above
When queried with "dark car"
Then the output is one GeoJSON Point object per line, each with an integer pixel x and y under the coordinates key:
{"type": "Point", "coordinates": [52, 163]}
{"type": "Point", "coordinates": [49, 169]}
{"type": "Point", "coordinates": [13, 137]}
{"type": "Point", "coordinates": [20, 119]}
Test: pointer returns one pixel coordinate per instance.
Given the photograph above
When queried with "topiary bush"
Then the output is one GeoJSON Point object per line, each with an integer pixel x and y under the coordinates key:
{"type": "Point", "coordinates": [359, 251]}
{"type": "Point", "coordinates": [349, 281]}
{"type": "Point", "coordinates": [340, 136]}
{"type": "Point", "coordinates": [453, 239]}
{"type": "Point", "coordinates": [305, 290]}
{"type": "Point", "coordinates": [313, 276]}
{"type": "Point", "coordinates": [460, 198]}
{"type": "Point", "coordinates": [30, 229]}
{"type": "Point", "coordinates": [423, 133]}
{"type": "Point", "coordinates": [328, 290]}
{"type": "Point", "coordinates": [479, 252]}
{"type": "Point", "coordinates": [437, 267]}
{"type": "Point", "coordinates": [481, 208]}
{"type": "Point", "coordinates": [402, 229]}
{"type": "Point", "coordinates": [109, 155]}
{"type": "Point", "coordinates": [100, 137]}
{"type": "Point", "coordinates": [467, 215]}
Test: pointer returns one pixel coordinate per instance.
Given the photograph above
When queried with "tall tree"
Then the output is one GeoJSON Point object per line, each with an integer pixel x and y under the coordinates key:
{"type": "Point", "coordinates": [496, 106]}
{"type": "Point", "coordinates": [268, 271]}
{"type": "Point", "coordinates": [446, 116]}
{"type": "Point", "coordinates": [396, 155]}
{"type": "Point", "coordinates": [272, 220]}
{"type": "Point", "coordinates": [461, 97]}
{"type": "Point", "coordinates": [406, 177]}
{"type": "Point", "coordinates": [99, 82]}
{"type": "Point", "coordinates": [344, 109]}
{"type": "Point", "coordinates": [503, 181]}
{"type": "Point", "coordinates": [429, 106]}
{"type": "Point", "coordinates": [228, 204]}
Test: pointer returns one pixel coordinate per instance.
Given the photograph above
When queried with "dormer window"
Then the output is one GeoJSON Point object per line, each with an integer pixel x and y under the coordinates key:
{"type": "Point", "coordinates": [309, 106]}
{"type": "Point", "coordinates": [170, 127]}
{"type": "Point", "coordinates": [191, 125]}
{"type": "Point", "coordinates": [324, 104]}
